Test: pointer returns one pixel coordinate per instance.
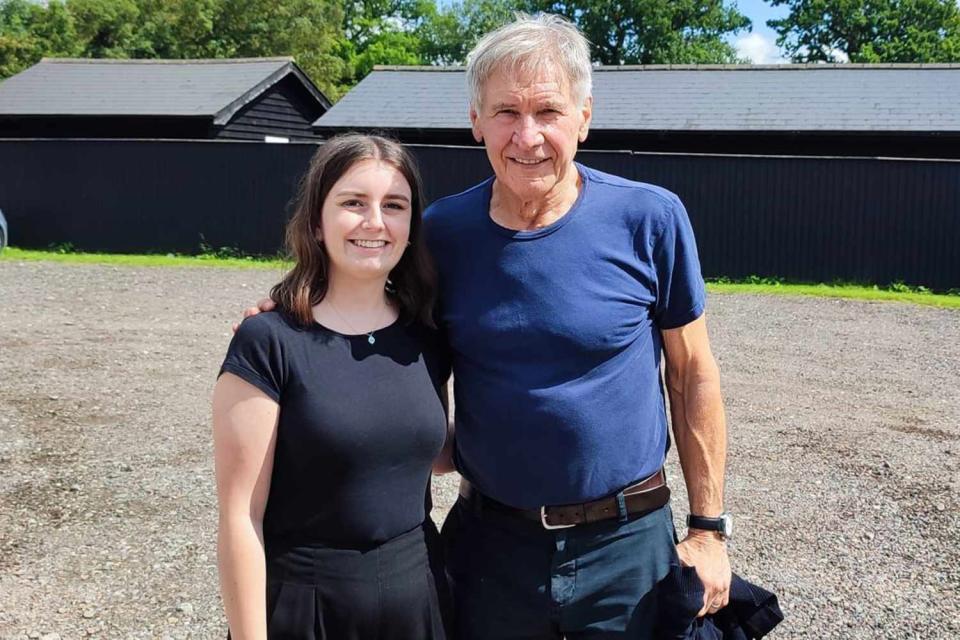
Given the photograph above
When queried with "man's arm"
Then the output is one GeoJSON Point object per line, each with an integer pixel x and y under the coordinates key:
{"type": "Point", "coordinates": [700, 431]}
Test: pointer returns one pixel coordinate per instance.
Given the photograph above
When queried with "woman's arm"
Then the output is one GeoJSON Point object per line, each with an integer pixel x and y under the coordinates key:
{"type": "Point", "coordinates": [244, 435]}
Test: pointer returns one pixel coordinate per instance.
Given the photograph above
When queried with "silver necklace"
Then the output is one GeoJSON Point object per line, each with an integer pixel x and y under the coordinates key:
{"type": "Point", "coordinates": [370, 337]}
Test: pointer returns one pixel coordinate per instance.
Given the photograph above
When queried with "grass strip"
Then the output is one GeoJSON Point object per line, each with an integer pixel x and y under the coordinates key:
{"type": "Point", "coordinates": [751, 286]}
{"type": "Point", "coordinates": [848, 291]}
{"type": "Point", "coordinates": [13, 254]}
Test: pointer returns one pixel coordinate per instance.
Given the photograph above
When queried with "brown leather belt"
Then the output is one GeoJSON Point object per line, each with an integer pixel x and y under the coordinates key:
{"type": "Point", "coordinates": [646, 495]}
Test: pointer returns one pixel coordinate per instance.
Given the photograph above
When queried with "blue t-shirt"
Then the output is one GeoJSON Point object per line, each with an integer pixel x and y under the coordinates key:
{"type": "Point", "coordinates": [555, 337]}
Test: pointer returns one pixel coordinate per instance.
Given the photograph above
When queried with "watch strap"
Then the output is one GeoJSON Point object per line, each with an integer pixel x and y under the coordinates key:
{"type": "Point", "coordinates": [723, 524]}
{"type": "Point", "coordinates": [705, 523]}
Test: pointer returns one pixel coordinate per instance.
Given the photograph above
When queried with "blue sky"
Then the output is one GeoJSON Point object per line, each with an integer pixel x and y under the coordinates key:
{"type": "Point", "coordinates": [760, 45]}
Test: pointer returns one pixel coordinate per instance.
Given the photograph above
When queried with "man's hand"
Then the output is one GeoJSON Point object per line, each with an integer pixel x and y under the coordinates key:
{"type": "Point", "coordinates": [266, 304]}
{"type": "Point", "coordinates": [708, 553]}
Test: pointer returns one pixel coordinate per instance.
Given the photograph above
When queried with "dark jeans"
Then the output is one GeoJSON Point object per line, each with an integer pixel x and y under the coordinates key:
{"type": "Point", "coordinates": [512, 579]}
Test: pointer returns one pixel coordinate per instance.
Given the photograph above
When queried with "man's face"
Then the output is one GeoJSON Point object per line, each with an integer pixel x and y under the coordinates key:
{"type": "Point", "coordinates": [530, 126]}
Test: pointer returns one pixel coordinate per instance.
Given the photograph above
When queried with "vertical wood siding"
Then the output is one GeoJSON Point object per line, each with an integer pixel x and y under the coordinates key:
{"type": "Point", "coordinates": [805, 219]}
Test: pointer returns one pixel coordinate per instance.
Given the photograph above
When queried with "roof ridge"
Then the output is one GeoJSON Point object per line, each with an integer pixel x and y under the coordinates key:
{"type": "Point", "coordinates": [165, 60]}
{"type": "Point", "coordinates": [806, 66]}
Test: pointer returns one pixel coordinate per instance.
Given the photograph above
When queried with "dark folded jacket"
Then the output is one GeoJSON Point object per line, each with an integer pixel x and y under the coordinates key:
{"type": "Point", "coordinates": [752, 612]}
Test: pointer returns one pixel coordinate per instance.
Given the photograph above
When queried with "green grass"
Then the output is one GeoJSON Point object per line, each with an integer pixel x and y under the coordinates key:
{"type": "Point", "coordinates": [896, 292]}
{"type": "Point", "coordinates": [139, 260]}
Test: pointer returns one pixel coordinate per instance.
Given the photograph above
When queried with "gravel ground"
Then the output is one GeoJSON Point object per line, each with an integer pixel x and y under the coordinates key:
{"type": "Point", "coordinates": [843, 466]}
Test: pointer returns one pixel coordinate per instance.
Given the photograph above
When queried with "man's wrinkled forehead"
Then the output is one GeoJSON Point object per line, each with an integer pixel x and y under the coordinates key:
{"type": "Point", "coordinates": [542, 76]}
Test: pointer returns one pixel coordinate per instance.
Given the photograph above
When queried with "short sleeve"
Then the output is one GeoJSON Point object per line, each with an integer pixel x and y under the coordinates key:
{"type": "Point", "coordinates": [437, 354]}
{"type": "Point", "coordinates": [255, 355]}
{"type": "Point", "coordinates": [680, 289]}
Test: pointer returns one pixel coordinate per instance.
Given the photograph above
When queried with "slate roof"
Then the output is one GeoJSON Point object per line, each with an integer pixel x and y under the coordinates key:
{"type": "Point", "coordinates": [97, 87]}
{"type": "Point", "coordinates": [815, 97]}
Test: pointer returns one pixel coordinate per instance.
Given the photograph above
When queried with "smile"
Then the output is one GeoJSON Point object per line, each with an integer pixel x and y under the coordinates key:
{"type": "Point", "coordinates": [370, 244]}
{"type": "Point", "coordinates": [528, 162]}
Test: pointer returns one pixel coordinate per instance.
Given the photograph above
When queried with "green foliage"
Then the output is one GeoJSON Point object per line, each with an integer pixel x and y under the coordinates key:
{"type": "Point", "coordinates": [899, 286]}
{"type": "Point", "coordinates": [379, 32]}
{"type": "Point", "coordinates": [620, 31]}
{"type": "Point", "coordinates": [869, 30]}
{"type": "Point", "coordinates": [448, 35]}
{"type": "Point", "coordinates": [209, 252]}
{"type": "Point", "coordinates": [308, 30]}
{"type": "Point", "coordinates": [106, 28]}
{"type": "Point", "coordinates": [62, 248]}
{"type": "Point", "coordinates": [338, 43]}
{"type": "Point", "coordinates": [654, 31]}
{"type": "Point", "coordinates": [29, 31]}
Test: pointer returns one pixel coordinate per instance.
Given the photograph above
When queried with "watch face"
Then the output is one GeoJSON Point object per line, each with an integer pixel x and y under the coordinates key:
{"type": "Point", "coordinates": [727, 523]}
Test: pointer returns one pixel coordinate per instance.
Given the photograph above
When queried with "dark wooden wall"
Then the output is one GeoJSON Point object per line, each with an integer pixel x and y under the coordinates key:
{"type": "Point", "coordinates": [156, 127]}
{"type": "Point", "coordinates": [805, 219]}
{"type": "Point", "coordinates": [285, 110]}
{"type": "Point", "coordinates": [843, 143]}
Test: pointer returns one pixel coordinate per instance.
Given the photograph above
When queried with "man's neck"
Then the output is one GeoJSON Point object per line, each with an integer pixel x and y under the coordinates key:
{"type": "Point", "coordinates": [513, 212]}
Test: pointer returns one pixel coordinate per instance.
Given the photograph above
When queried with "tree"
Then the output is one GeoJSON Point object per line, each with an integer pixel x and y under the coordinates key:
{"type": "Point", "coordinates": [620, 31]}
{"type": "Point", "coordinates": [654, 31]}
{"type": "Point", "coordinates": [308, 30]}
{"type": "Point", "coordinates": [379, 32]}
{"type": "Point", "coordinates": [447, 36]}
{"type": "Point", "coordinates": [869, 30]}
{"type": "Point", "coordinates": [29, 31]}
{"type": "Point", "coordinates": [106, 28]}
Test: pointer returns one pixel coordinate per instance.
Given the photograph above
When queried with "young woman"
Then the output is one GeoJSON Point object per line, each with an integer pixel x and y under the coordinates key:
{"type": "Point", "coordinates": [327, 416]}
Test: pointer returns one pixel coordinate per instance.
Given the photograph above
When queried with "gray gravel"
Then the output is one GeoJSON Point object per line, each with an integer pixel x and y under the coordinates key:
{"type": "Point", "coordinates": [843, 467]}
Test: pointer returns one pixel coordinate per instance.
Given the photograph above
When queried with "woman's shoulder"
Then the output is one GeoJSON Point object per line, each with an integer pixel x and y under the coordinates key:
{"type": "Point", "coordinates": [273, 325]}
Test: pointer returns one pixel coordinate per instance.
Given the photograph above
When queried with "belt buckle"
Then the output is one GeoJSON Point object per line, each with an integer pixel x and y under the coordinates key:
{"type": "Point", "coordinates": [551, 527]}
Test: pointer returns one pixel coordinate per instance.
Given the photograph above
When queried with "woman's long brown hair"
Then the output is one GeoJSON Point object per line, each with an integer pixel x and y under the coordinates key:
{"type": "Point", "coordinates": [412, 283]}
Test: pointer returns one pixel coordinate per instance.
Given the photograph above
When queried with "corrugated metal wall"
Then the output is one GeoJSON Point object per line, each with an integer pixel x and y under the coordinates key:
{"type": "Point", "coordinates": [806, 219]}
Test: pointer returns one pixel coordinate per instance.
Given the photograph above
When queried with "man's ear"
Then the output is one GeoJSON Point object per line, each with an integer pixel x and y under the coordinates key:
{"type": "Point", "coordinates": [475, 124]}
{"type": "Point", "coordinates": [587, 114]}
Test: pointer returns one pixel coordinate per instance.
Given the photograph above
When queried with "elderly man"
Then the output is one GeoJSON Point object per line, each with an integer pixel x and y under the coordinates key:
{"type": "Point", "coordinates": [560, 288]}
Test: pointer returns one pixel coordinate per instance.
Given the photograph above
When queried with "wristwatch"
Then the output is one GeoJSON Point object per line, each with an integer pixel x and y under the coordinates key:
{"type": "Point", "coordinates": [722, 525]}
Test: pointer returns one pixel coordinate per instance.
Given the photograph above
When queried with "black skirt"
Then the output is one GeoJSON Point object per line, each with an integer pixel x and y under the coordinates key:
{"type": "Point", "coordinates": [395, 591]}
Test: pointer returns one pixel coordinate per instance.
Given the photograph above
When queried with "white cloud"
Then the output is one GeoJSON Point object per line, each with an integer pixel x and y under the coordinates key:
{"type": "Point", "coordinates": [758, 49]}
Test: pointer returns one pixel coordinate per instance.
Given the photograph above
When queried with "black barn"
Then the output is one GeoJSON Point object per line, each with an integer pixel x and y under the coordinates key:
{"type": "Point", "coordinates": [876, 110]}
{"type": "Point", "coordinates": [242, 99]}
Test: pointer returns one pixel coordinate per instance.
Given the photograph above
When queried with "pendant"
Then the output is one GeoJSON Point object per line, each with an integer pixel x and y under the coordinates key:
{"type": "Point", "coordinates": [370, 338]}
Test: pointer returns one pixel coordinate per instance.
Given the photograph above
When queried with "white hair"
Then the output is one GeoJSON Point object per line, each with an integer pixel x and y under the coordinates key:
{"type": "Point", "coordinates": [526, 44]}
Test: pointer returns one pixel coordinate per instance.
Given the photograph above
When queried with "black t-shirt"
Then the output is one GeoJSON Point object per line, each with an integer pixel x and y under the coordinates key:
{"type": "Point", "coordinates": [359, 426]}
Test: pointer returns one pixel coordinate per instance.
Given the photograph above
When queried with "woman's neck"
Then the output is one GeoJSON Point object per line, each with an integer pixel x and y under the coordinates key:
{"type": "Point", "coordinates": [357, 306]}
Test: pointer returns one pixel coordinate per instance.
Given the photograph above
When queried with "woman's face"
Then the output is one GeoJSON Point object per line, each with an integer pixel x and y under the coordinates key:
{"type": "Point", "coordinates": [365, 221]}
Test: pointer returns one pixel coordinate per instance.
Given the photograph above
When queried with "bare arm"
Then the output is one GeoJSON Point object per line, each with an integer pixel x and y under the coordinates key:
{"type": "Point", "coordinates": [699, 425]}
{"type": "Point", "coordinates": [244, 435]}
{"type": "Point", "coordinates": [700, 431]}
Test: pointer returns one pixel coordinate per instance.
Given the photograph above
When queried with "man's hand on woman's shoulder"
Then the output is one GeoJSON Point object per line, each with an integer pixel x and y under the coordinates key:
{"type": "Point", "coordinates": [265, 304]}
